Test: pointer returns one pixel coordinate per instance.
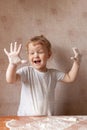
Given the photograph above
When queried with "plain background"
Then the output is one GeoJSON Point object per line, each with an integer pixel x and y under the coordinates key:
{"type": "Point", "coordinates": [64, 23]}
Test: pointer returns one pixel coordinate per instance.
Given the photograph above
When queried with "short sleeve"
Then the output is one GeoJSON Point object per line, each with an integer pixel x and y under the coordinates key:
{"type": "Point", "coordinates": [22, 73]}
{"type": "Point", "coordinates": [60, 75]}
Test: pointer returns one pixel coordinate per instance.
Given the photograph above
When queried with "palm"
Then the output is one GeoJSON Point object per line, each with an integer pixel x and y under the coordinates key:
{"type": "Point", "coordinates": [14, 53]}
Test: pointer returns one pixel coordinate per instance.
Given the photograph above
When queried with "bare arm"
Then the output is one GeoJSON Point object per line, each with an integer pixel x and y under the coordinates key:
{"type": "Point", "coordinates": [72, 74]}
{"type": "Point", "coordinates": [11, 75]}
{"type": "Point", "coordinates": [14, 61]}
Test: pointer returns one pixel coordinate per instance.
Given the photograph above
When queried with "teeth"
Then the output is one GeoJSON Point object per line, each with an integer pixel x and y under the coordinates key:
{"type": "Point", "coordinates": [37, 61]}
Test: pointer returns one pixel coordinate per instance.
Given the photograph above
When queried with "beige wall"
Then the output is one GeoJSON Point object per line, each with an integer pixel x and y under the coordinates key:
{"type": "Point", "coordinates": [64, 23]}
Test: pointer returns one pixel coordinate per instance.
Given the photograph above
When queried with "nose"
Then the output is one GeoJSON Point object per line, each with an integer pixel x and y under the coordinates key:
{"type": "Point", "coordinates": [36, 54]}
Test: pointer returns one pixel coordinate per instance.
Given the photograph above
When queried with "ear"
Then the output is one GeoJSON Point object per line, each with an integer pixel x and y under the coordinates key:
{"type": "Point", "coordinates": [49, 54]}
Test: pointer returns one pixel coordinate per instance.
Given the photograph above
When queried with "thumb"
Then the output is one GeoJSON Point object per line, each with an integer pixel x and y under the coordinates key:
{"type": "Point", "coordinates": [24, 61]}
{"type": "Point", "coordinates": [6, 51]}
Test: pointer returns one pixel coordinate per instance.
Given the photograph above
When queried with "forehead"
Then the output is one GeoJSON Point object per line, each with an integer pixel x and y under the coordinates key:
{"type": "Point", "coordinates": [34, 45]}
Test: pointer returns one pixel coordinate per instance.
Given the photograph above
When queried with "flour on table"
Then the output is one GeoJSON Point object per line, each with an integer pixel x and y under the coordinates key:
{"type": "Point", "coordinates": [46, 123]}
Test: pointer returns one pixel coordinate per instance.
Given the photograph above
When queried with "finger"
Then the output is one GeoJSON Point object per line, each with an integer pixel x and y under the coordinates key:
{"type": "Point", "coordinates": [11, 47]}
{"type": "Point", "coordinates": [24, 61]}
{"type": "Point", "coordinates": [73, 58]}
{"type": "Point", "coordinates": [19, 49]}
{"type": "Point", "coordinates": [76, 51]}
{"type": "Point", "coordinates": [6, 52]}
{"type": "Point", "coordinates": [15, 46]}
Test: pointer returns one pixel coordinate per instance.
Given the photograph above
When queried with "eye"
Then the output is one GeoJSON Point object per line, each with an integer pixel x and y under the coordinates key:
{"type": "Point", "coordinates": [41, 51]}
{"type": "Point", "coordinates": [31, 53]}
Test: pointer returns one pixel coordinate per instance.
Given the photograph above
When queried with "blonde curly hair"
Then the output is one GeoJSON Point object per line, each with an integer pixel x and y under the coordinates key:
{"type": "Point", "coordinates": [39, 40]}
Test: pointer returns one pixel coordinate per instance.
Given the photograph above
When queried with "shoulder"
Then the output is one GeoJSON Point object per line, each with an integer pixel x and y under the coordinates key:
{"type": "Point", "coordinates": [25, 72]}
{"type": "Point", "coordinates": [51, 70]}
{"type": "Point", "coordinates": [57, 73]}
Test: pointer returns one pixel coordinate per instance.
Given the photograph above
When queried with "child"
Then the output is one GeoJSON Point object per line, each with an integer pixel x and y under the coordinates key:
{"type": "Point", "coordinates": [38, 82]}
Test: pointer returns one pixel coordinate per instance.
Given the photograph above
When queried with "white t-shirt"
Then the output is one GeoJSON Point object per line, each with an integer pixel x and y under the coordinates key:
{"type": "Point", "coordinates": [37, 93]}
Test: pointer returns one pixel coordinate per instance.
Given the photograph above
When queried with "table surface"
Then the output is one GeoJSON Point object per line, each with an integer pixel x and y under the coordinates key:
{"type": "Point", "coordinates": [79, 124]}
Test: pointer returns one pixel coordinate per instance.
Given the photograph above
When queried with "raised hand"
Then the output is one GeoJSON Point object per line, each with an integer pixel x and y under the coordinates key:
{"type": "Point", "coordinates": [77, 56]}
{"type": "Point", "coordinates": [14, 53]}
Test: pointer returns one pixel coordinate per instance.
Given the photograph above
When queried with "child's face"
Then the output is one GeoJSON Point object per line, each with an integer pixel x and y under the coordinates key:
{"type": "Point", "coordinates": [38, 55]}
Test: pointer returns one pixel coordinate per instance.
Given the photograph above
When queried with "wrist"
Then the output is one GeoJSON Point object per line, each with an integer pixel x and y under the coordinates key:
{"type": "Point", "coordinates": [12, 65]}
{"type": "Point", "coordinates": [77, 63]}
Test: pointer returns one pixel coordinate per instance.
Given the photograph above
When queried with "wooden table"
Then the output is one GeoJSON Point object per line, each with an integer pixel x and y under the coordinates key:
{"type": "Point", "coordinates": [4, 119]}
{"type": "Point", "coordinates": [80, 124]}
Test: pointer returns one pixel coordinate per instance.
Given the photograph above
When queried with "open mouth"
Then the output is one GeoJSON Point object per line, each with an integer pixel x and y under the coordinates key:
{"type": "Point", "coordinates": [37, 61]}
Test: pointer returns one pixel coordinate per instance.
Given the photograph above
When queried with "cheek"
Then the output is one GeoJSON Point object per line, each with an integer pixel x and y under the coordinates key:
{"type": "Point", "coordinates": [45, 57]}
{"type": "Point", "coordinates": [30, 58]}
